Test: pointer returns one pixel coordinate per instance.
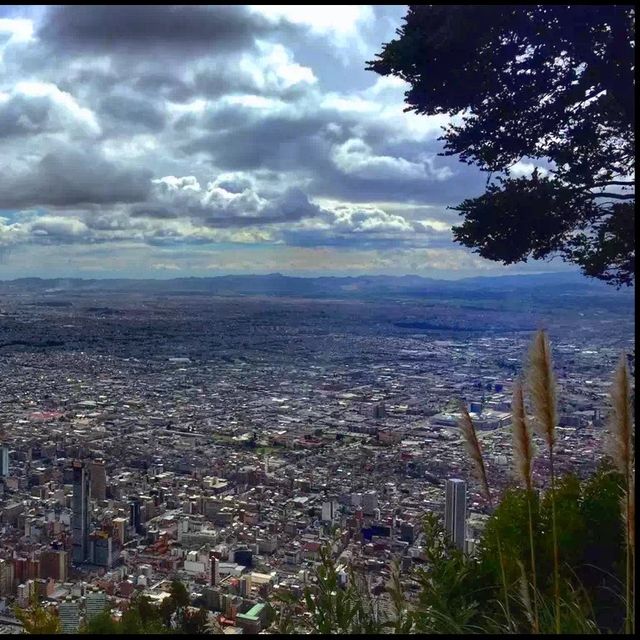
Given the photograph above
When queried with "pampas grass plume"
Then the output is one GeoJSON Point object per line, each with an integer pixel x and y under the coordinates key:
{"type": "Point", "coordinates": [523, 447]}
{"type": "Point", "coordinates": [620, 444]}
{"type": "Point", "coordinates": [473, 449]}
{"type": "Point", "coordinates": [542, 387]}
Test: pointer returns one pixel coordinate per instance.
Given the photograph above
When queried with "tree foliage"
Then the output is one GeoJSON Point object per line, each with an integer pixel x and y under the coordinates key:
{"type": "Point", "coordinates": [38, 619]}
{"type": "Point", "coordinates": [540, 85]}
{"type": "Point", "coordinates": [590, 541]}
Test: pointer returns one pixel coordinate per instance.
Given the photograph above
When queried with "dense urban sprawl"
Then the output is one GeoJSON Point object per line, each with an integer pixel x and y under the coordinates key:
{"type": "Point", "coordinates": [225, 441]}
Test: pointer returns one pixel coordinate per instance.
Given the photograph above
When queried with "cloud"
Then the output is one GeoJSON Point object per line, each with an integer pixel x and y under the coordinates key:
{"type": "Point", "coordinates": [38, 107]}
{"type": "Point", "coordinates": [354, 157]}
{"type": "Point", "coordinates": [58, 228]}
{"type": "Point", "coordinates": [342, 25]}
{"type": "Point", "coordinates": [229, 201]}
{"type": "Point", "coordinates": [355, 225]}
{"type": "Point", "coordinates": [525, 169]}
{"type": "Point", "coordinates": [68, 176]}
{"type": "Point", "coordinates": [177, 131]}
{"type": "Point", "coordinates": [133, 110]}
{"type": "Point", "coordinates": [141, 29]}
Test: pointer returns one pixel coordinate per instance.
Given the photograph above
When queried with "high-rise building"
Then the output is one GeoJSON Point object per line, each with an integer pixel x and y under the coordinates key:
{"type": "Point", "coordinates": [95, 604]}
{"type": "Point", "coordinates": [134, 514]}
{"type": "Point", "coordinates": [214, 570]}
{"type": "Point", "coordinates": [80, 515]}
{"type": "Point", "coordinates": [54, 564]}
{"type": "Point", "coordinates": [369, 502]}
{"type": "Point", "coordinates": [4, 461]}
{"type": "Point", "coordinates": [102, 551]}
{"type": "Point", "coordinates": [98, 480]}
{"type": "Point", "coordinates": [24, 593]}
{"type": "Point", "coordinates": [378, 410]}
{"type": "Point", "coordinates": [455, 511]}
{"type": "Point", "coordinates": [243, 556]}
{"type": "Point", "coordinates": [69, 616]}
{"type": "Point", "coordinates": [407, 532]}
{"type": "Point", "coordinates": [245, 585]}
{"type": "Point", "coordinates": [120, 530]}
{"type": "Point", "coordinates": [6, 578]}
{"type": "Point", "coordinates": [329, 510]}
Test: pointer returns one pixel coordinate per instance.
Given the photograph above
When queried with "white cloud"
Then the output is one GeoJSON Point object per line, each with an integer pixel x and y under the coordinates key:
{"type": "Point", "coordinates": [341, 24]}
{"type": "Point", "coordinates": [17, 29]}
{"type": "Point", "coordinates": [525, 169]}
{"type": "Point", "coordinates": [354, 157]}
{"type": "Point", "coordinates": [277, 67]}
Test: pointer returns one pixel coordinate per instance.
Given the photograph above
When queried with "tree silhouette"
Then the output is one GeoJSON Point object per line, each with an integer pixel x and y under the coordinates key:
{"type": "Point", "coordinates": [545, 86]}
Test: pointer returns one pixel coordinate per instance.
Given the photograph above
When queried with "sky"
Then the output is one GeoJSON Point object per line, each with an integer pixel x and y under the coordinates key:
{"type": "Point", "coordinates": [161, 141]}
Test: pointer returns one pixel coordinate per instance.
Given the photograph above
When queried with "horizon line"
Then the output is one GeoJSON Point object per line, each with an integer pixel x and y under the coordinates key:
{"type": "Point", "coordinates": [311, 277]}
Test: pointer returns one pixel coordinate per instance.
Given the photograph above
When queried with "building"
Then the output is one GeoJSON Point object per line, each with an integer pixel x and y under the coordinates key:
{"type": "Point", "coordinates": [214, 570]}
{"type": "Point", "coordinates": [69, 612]}
{"type": "Point", "coordinates": [98, 480]}
{"type": "Point", "coordinates": [329, 510]}
{"type": "Point", "coordinates": [24, 593]}
{"type": "Point", "coordinates": [102, 551]}
{"type": "Point", "coordinates": [4, 461]}
{"type": "Point", "coordinates": [80, 515]}
{"type": "Point", "coordinates": [243, 557]}
{"type": "Point", "coordinates": [378, 411]}
{"type": "Point", "coordinates": [369, 502]}
{"type": "Point", "coordinates": [120, 530]}
{"type": "Point", "coordinates": [6, 578]}
{"type": "Point", "coordinates": [134, 514]}
{"type": "Point", "coordinates": [245, 586]}
{"type": "Point", "coordinates": [54, 564]}
{"type": "Point", "coordinates": [407, 532]}
{"type": "Point", "coordinates": [95, 604]}
{"type": "Point", "coordinates": [455, 511]}
{"type": "Point", "coordinates": [253, 620]}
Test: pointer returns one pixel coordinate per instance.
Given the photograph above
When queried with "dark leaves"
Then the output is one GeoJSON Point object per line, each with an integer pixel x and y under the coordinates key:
{"type": "Point", "coordinates": [553, 83]}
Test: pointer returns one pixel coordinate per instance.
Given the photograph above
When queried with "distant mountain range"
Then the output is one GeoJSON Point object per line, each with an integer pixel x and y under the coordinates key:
{"type": "Point", "coordinates": [276, 284]}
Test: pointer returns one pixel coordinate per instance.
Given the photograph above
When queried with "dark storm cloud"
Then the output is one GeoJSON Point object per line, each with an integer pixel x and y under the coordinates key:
{"type": "Point", "coordinates": [70, 177]}
{"type": "Point", "coordinates": [21, 115]}
{"type": "Point", "coordinates": [237, 141]}
{"type": "Point", "coordinates": [140, 28]}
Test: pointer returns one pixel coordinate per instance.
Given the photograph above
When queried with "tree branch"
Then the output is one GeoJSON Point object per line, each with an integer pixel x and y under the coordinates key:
{"type": "Point", "coordinates": [616, 196]}
{"type": "Point", "coordinates": [619, 183]}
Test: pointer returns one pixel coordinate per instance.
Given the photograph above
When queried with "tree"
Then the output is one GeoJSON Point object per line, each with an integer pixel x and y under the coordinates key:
{"type": "Point", "coordinates": [448, 600]}
{"type": "Point", "coordinates": [591, 545]}
{"type": "Point", "coordinates": [179, 594]}
{"type": "Point", "coordinates": [195, 622]}
{"type": "Point", "coordinates": [550, 86]}
{"type": "Point", "coordinates": [142, 617]}
{"type": "Point", "coordinates": [102, 624]}
{"type": "Point", "coordinates": [38, 619]}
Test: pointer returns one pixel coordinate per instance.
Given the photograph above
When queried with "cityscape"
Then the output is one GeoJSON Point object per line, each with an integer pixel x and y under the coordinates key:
{"type": "Point", "coordinates": [144, 439]}
{"type": "Point", "coordinates": [317, 320]}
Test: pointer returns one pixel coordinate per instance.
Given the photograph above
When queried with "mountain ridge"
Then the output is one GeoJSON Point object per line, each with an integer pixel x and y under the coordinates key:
{"type": "Point", "coordinates": [277, 284]}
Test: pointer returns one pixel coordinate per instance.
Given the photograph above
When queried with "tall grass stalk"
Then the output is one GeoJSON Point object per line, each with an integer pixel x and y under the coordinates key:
{"type": "Point", "coordinates": [542, 388]}
{"type": "Point", "coordinates": [524, 451]}
{"type": "Point", "coordinates": [475, 453]}
{"type": "Point", "coordinates": [620, 447]}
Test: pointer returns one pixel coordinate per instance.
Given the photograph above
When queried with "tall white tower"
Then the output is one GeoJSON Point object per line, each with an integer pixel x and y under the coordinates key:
{"type": "Point", "coordinates": [455, 511]}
